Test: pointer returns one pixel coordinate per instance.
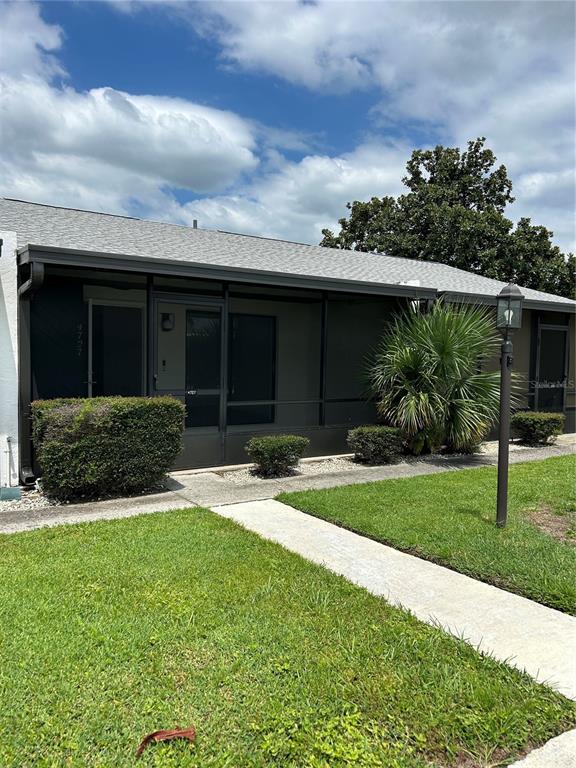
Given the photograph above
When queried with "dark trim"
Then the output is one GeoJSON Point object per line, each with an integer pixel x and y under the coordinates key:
{"type": "Point", "coordinates": [319, 401]}
{"type": "Point", "coordinates": [565, 328]}
{"type": "Point", "coordinates": [130, 263]}
{"type": "Point", "coordinates": [473, 298]}
{"type": "Point", "coordinates": [26, 290]}
{"type": "Point", "coordinates": [25, 391]}
{"type": "Point", "coordinates": [533, 359]}
{"type": "Point", "coordinates": [150, 327]}
{"type": "Point", "coordinates": [323, 355]}
{"type": "Point", "coordinates": [223, 415]}
{"type": "Point", "coordinates": [34, 281]}
{"type": "Point", "coordinates": [314, 299]}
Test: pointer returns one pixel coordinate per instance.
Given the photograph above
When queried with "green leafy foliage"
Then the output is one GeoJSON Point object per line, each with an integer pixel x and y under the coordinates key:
{"type": "Point", "coordinates": [537, 427]}
{"type": "Point", "coordinates": [105, 446]}
{"type": "Point", "coordinates": [326, 739]}
{"type": "Point", "coordinates": [453, 213]}
{"type": "Point", "coordinates": [376, 444]}
{"type": "Point", "coordinates": [276, 455]}
{"type": "Point", "coordinates": [427, 380]}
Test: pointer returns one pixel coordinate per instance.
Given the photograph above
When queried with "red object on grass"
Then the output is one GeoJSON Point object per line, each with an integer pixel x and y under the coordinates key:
{"type": "Point", "coordinates": [176, 733]}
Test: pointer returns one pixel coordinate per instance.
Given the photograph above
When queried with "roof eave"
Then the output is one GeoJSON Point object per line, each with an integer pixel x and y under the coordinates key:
{"type": "Point", "coordinates": [131, 263]}
{"type": "Point", "coordinates": [563, 305]}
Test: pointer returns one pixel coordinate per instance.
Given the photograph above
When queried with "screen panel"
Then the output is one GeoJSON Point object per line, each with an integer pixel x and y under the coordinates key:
{"type": "Point", "coordinates": [552, 369]}
{"type": "Point", "coordinates": [117, 350]}
{"type": "Point", "coordinates": [251, 367]}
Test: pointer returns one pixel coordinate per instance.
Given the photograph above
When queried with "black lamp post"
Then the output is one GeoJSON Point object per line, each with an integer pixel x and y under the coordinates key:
{"type": "Point", "coordinates": [508, 317]}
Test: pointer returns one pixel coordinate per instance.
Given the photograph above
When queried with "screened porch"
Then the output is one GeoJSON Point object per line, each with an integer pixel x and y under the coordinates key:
{"type": "Point", "coordinates": [244, 358]}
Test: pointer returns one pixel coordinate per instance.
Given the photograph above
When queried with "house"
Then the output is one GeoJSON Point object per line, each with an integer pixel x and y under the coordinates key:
{"type": "Point", "coordinates": [254, 335]}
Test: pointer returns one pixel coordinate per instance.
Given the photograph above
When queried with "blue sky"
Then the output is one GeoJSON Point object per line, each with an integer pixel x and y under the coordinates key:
{"type": "Point", "coordinates": [268, 117]}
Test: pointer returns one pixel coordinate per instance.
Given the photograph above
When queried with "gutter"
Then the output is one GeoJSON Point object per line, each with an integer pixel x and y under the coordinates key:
{"type": "Point", "coordinates": [34, 281]}
{"type": "Point", "coordinates": [564, 305]}
{"type": "Point", "coordinates": [130, 263]}
{"type": "Point", "coordinates": [25, 292]}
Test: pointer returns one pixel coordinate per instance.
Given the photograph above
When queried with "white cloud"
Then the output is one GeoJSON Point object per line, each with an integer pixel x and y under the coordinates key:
{"type": "Point", "coordinates": [455, 69]}
{"type": "Point", "coordinates": [105, 147]}
{"type": "Point", "coordinates": [504, 70]}
{"type": "Point", "coordinates": [295, 201]}
{"type": "Point", "coordinates": [27, 43]}
{"type": "Point", "coordinates": [171, 140]}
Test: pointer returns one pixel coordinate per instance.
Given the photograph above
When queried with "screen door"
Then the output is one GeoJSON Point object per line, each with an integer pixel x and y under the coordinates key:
{"type": "Point", "coordinates": [188, 359]}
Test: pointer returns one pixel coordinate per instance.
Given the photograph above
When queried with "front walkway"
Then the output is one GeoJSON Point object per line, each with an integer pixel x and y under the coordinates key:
{"type": "Point", "coordinates": [209, 488]}
{"type": "Point", "coordinates": [511, 628]}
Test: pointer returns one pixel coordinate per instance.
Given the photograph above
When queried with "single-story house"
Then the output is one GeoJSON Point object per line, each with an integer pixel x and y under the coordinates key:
{"type": "Point", "coordinates": [254, 335]}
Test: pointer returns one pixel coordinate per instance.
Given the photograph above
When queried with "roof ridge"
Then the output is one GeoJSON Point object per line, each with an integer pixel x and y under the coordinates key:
{"type": "Point", "coordinates": [263, 237]}
{"type": "Point", "coordinates": [67, 208]}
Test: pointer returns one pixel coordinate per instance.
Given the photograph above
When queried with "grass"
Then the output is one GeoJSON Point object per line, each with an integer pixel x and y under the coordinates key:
{"type": "Point", "coordinates": [449, 518]}
{"type": "Point", "coordinates": [111, 630]}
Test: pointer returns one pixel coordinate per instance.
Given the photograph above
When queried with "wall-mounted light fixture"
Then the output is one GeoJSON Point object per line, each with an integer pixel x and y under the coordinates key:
{"type": "Point", "coordinates": [167, 321]}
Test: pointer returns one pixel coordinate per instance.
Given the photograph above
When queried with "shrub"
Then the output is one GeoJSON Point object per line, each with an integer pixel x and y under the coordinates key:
{"type": "Point", "coordinates": [376, 444]}
{"type": "Point", "coordinates": [276, 455]}
{"type": "Point", "coordinates": [105, 446]}
{"type": "Point", "coordinates": [536, 427]}
{"type": "Point", "coordinates": [427, 379]}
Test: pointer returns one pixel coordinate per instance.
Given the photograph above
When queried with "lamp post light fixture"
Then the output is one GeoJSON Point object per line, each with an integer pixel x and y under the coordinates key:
{"type": "Point", "coordinates": [508, 318]}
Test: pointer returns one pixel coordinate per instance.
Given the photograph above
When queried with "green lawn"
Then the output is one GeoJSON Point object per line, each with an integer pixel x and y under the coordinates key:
{"type": "Point", "coordinates": [449, 518]}
{"type": "Point", "coordinates": [110, 630]}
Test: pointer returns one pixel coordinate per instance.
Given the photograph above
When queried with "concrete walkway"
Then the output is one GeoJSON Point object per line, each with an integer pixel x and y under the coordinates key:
{"type": "Point", "coordinates": [556, 753]}
{"type": "Point", "coordinates": [511, 628]}
{"type": "Point", "coordinates": [188, 489]}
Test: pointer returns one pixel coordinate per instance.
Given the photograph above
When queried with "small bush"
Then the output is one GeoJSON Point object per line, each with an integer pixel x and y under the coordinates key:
{"type": "Point", "coordinates": [276, 455]}
{"type": "Point", "coordinates": [537, 427]}
{"type": "Point", "coordinates": [376, 444]}
{"type": "Point", "coordinates": [105, 446]}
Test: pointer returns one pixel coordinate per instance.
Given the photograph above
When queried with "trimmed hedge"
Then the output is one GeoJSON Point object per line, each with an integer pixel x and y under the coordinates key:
{"type": "Point", "coordinates": [105, 446]}
{"type": "Point", "coordinates": [376, 444]}
{"type": "Point", "coordinates": [276, 455]}
{"type": "Point", "coordinates": [537, 427]}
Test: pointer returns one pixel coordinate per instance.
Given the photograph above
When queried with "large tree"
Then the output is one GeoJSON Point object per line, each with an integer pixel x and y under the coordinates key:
{"type": "Point", "coordinates": [453, 213]}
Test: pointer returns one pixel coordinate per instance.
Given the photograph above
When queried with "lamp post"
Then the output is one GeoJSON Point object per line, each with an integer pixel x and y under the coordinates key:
{"type": "Point", "coordinates": [508, 318]}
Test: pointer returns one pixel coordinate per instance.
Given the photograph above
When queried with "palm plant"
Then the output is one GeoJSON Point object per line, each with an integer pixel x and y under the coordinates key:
{"type": "Point", "coordinates": [427, 376]}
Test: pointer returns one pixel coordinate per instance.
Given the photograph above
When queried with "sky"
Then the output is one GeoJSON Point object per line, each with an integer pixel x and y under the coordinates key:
{"type": "Point", "coordinates": [268, 117]}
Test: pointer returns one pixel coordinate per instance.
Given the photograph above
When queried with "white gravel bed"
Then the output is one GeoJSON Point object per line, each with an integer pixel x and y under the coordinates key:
{"type": "Point", "coordinates": [31, 499]}
{"type": "Point", "coordinates": [305, 469]}
{"type": "Point", "coordinates": [491, 448]}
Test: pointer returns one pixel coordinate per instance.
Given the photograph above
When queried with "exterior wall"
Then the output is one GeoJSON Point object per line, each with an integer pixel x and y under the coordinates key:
{"type": "Point", "coordinates": [522, 341]}
{"type": "Point", "coordinates": [9, 445]}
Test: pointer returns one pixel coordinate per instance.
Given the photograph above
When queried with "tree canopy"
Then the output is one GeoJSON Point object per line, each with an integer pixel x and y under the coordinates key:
{"type": "Point", "coordinates": [453, 213]}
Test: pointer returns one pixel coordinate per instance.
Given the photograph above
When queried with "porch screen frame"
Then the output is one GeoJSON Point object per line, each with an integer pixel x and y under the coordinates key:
{"type": "Point", "coordinates": [191, 301]}
{"type": "Point", "coordinates": [551, 327]}
{"type": "Point", "coordinates": [141, 305]}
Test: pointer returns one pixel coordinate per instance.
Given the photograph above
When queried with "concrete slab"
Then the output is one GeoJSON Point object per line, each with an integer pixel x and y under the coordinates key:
{"type": "Point", "coordinates": [18, 521]}
{"type": "Point", "coordinates": [511, 628]}
{"type": "Point", "coordinates": [556, 753]}
{"type": "Point", "coordinates": [209, 488]}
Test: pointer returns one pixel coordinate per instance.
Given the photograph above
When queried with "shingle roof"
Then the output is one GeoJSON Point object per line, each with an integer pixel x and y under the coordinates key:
{"type": "Point", "coordinates": [54, 227]}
